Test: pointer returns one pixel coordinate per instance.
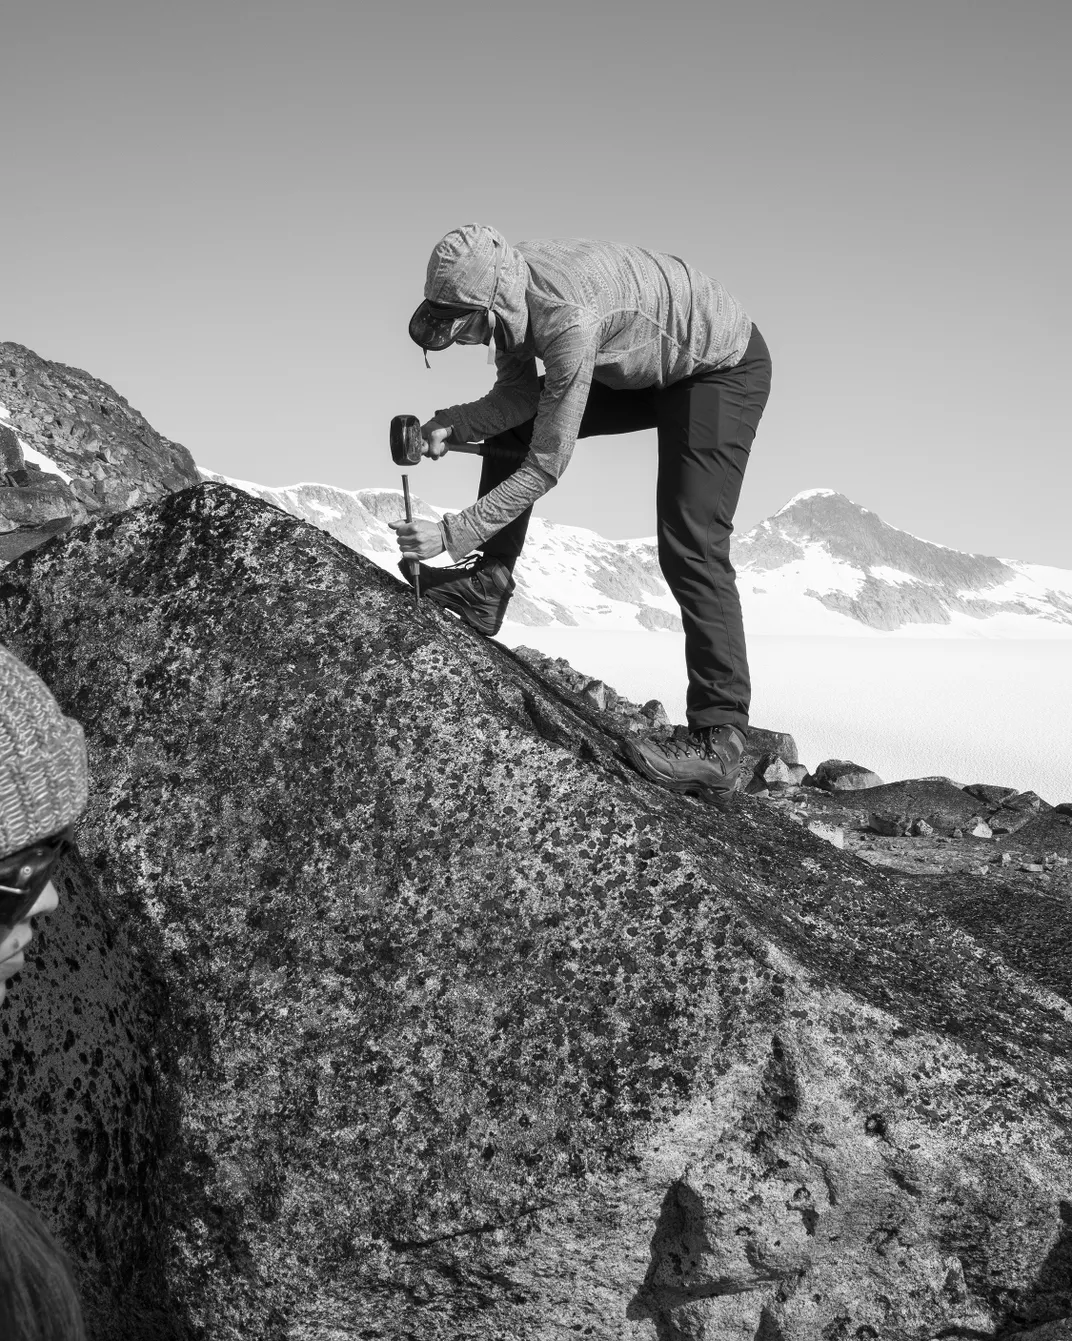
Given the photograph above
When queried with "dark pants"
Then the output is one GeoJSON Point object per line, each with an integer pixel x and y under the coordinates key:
{"type": "Point", "coordinates": [706, 425]}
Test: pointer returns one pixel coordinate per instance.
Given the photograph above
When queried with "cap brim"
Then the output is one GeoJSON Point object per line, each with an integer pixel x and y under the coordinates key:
{"type": "Point", "coordinates": [439, 329]}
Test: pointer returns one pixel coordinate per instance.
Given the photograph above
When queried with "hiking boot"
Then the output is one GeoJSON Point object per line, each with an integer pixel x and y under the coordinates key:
{"type": "Point", "coordinates": [704, 763]}
{"type": "Point", "coordinates": [478, 589]}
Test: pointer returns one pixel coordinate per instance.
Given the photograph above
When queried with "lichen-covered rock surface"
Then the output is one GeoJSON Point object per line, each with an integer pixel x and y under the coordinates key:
{"type": "Point", "coordinates": [386, 1001]}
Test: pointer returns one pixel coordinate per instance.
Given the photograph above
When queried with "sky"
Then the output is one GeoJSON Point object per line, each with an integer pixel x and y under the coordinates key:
{"type": "Point", "coordinates": [225, 210]}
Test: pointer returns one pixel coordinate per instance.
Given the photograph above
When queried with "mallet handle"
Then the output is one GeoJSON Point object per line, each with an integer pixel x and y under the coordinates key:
{"type": "Point", "coordinates": [483, 449]}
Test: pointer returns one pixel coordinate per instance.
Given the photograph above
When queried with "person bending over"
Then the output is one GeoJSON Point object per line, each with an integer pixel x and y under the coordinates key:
{"type": "Point", "coordinates": [629, 339]}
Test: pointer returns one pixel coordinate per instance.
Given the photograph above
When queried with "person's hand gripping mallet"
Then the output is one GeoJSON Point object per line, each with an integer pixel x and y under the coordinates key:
{"type": "Point", "coordinates": [409, 442]}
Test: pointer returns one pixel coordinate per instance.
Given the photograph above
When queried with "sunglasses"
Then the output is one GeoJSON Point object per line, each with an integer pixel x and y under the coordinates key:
{"type": "Point", "coordinates": [24, 874]}
{"type": "Point", "coordinates": [436, 326]}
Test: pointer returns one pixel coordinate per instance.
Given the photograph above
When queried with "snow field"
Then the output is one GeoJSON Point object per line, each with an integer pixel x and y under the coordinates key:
{"type": "Point", "coordinates": [975, 710]}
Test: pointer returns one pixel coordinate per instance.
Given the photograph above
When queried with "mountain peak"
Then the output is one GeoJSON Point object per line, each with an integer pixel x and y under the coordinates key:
{"type": "Point", "coordinates": [855, 536]}
{"type": "Point", "coordinates": [824, 547]}
{"type": "Point", "coordinates": [805, 494]}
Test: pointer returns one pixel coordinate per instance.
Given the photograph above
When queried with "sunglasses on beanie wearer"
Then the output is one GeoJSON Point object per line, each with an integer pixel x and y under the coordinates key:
{"type": "Point", "coordinates": [25, 873]}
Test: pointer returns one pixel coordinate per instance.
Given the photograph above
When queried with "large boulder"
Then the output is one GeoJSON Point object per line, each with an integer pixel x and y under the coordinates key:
{"type": "Point", "coordinates": [781, 743]}
{"type": "Point", "coordinates": [387, 1001]}
{"type": "Point", "coordinates": [1048, 832]}
{"type": "Point", "coordinates": [944, 806]}
{"type": "Point", "coordinates": [34, 504]}
{"type": "Point", "coordinates": [43, 499]}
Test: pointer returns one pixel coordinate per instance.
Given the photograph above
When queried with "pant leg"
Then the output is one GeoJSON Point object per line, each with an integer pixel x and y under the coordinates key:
{"type": "Point", "coordinates": [506, 545]}
{"type": "Point", "coordinates": [706, 427]}
{"type": "Point", "coordinates": [607, 411]}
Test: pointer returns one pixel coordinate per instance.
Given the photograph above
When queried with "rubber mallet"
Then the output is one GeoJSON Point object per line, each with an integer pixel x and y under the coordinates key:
{"type": "Point", "coordinates": [407, 445]}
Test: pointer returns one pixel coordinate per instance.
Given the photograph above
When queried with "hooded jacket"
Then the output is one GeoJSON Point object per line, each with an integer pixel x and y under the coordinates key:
{"type": "Point", "coordinates": [590, 311]}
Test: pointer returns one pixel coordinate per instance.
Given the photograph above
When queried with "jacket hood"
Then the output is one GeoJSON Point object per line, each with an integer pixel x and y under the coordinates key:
{"type": "Point", "coordinates": [462, 269]}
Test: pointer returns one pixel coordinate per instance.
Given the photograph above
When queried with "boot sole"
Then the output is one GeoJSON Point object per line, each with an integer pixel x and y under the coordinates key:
{"type": "Point", "coordinates": [719, 797]}
{"type": "Point", "coordinates": [464, 612]}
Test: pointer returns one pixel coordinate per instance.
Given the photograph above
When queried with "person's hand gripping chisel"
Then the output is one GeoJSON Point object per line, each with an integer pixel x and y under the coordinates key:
{"type": "Point", "coordinates": [419, 539]}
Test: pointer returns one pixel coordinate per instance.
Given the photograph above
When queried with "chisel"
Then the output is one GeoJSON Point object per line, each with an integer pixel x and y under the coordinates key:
{"type": "Point", "coordinates": [413, 564]}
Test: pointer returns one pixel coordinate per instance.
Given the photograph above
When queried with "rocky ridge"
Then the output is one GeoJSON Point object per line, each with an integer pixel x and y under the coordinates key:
{"type": "Point", "coordinates": [917, 825]}
{"type": "Point", "coordinates": [72, 448]}
{"type": "Point", "coordinates": [397, 1005]}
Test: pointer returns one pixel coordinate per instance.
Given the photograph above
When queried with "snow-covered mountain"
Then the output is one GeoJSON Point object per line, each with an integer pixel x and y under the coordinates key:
{"type": "Point", "coordinates": [824, 564]}
{"type": "Point", "coordinates": [821, 564]}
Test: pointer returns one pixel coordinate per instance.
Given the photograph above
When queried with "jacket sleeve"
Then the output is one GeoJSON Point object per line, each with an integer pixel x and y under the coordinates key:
{"type": "Point", "coordinates": [569, 363]}
{"type": "Point", "coordinates": [463, 531]}
{"type": "Point", "coordinates": [513, 399]}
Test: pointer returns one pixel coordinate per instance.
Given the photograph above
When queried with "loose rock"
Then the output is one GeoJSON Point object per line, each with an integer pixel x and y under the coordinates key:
{"type": "Point", "coordinates": [761, 741]}
{"type": "Point", "coordinates": [595, 691]}
{"type": "Point", "coordinates": [772, 770]}
{"type": "Point", "coordinates": [1025, 801]}
{"type": "Point", "coordinates": [889, 825]}
{"type": "Point", "coordinates": [11, 457]}
{"type": "Point", "coordinates": [829, 833]}
{"type": "Point", "coordinates": [656, 714]}
{"type": "Point", "coordinates": [839, 775]}
{"type": "Point", "coordinates": [993, 796]}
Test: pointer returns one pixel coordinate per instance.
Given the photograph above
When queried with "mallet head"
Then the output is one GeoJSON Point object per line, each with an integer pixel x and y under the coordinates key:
{"type": "Point", "coordinates": [407, 445]}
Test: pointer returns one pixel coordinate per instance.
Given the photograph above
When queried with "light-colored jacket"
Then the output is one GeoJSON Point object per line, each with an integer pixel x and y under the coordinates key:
{"type": "Point", "coordinates": [591, 311]}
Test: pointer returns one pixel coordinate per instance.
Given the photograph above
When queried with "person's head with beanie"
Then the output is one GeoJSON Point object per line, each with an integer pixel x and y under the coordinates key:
{"type": "Point", "coordinates": [43, 786]}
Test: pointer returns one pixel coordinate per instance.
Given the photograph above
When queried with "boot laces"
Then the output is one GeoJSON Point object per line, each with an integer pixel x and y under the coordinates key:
{"type": "Point", "coordinates": [683, 747]}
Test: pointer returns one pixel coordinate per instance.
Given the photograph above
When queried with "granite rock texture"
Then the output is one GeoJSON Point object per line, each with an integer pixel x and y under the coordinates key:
{"type": "Point", "coordinates": [408, 1011]}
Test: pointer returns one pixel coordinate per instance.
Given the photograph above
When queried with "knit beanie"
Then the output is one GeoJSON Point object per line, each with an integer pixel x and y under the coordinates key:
{"type": "Point", "coordinates": [43, 769]}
